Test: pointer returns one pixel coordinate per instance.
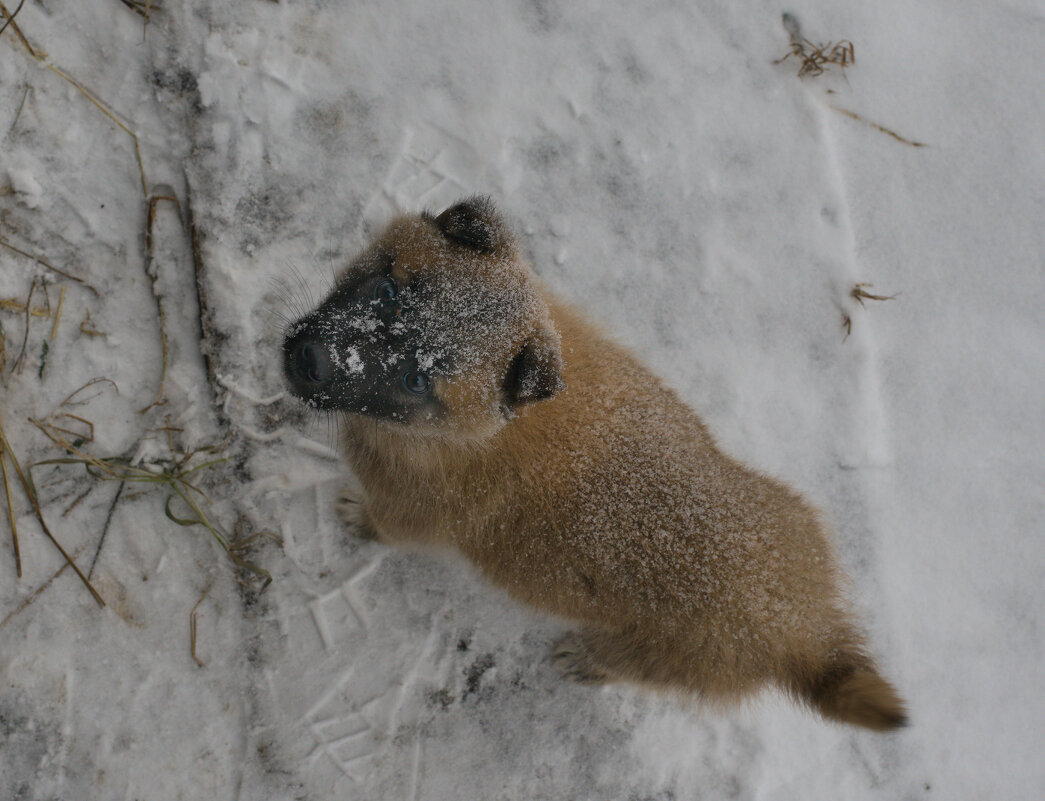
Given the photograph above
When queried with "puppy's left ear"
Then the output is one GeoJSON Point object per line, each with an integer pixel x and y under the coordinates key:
{"type": "Point", "coordinates": [535, 374]}
{"type": "Point", "coordinates": [474, 223]}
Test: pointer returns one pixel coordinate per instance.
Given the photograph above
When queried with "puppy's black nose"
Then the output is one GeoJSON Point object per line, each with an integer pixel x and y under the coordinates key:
{"type": "Point", "coordinates": [307, 364]}
{"type": "Point", "coordinates": [312, 362]}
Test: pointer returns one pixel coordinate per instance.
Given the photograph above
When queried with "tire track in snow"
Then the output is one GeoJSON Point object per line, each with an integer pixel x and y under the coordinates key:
{"type": "Point", "coordinates": [868, 449]}
{"type": "Point", "coordinates": [868, 445]}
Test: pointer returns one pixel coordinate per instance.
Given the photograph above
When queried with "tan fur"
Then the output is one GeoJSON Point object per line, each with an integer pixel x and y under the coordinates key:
{"type": "Point", "coordinates": [611, 505]}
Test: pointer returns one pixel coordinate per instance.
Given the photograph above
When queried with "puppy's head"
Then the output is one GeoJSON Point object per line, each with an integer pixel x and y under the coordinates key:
{"type": "Point", "coordinates": [438, 326]}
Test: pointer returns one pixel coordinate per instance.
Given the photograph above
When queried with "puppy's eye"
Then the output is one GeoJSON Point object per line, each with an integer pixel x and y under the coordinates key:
{"type": "Point", "coordinates": [416, 383]}
{"type": "Point", "coordinates": [385, 290]}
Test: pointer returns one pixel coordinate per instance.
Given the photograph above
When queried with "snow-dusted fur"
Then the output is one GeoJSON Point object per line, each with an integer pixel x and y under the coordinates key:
{"type": "Point", "coordinates": [606, 502]}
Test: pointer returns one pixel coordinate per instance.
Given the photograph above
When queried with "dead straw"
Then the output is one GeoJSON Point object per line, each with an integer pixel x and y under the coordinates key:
{"type": "Point", "coordinates": [42, 57]}
{"type": "Point", "coordinates": [862, 294]}
{"type": "Point", "coordinates": [153, 275]}
{"type": "Point", "coordinates": [853, 115]}
{"type": "Point", "coordinates": [192, 628]}
{"type": "Point", "coordinates": [48, 265]}
{"type": "Point", "coordinates": [105, 527]}
{"type": "Point", "coordinates": [15, 305]}
{"type": "Point", "coordinates": [30, 492]}
{"type": "Point", "coordinates": [58, 313]}
{"type": "Point", "coordinates": [11, 511]}
{"type": "Point", "coordinates": [174, 473]}
{"type": "Point", "coordinates": [96, 380]}
{"type": "Point", "coordinates": [815, 58]}
{"type": "Point", "coordinates": [36, 593]}
{"type": "Point", "coordinates": [17, 366]}
{"type": "Point", "coordinates": [142, 7]}
{"type": "Point", "coordinates": [85, 328]}
{"type": "Point", "coordinates": [18, 32]}
{"type": "Point", "coordinates": [11, 18]}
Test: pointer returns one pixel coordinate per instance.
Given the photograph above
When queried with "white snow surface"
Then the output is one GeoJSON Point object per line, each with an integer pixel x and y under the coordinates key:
{"type": "Point", "coordinates": [712, 209]}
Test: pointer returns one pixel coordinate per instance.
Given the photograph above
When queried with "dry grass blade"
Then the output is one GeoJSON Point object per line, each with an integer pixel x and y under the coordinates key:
{"type": "Point", "coordinates": [170, 431]}
{"type": "Point", "coordinates": [15, 305]}
{"type": "Point", "coordinates": [18, 113]}
{"type": "Point", "coordinates": [105, 527]}
{"type": "Point", "coordinates": [192, 628]}
{"type": "Point", "coordinates": [198, 518]}
{"type": "Point", "coordinates": [30, 492]}
{"type": "Point", "coordinates": [243, 542]}
{"type": "Point", "coordinates": [11, 18]}
{"type": "Point", "coordinates": [815, 58]}
{"type": "Point", "coordinates": [47, 265]}
{"type": "Point", "coordinates": [173, 473]}
{"type": "Point", "coordinates": [37, 54]}
{"type": "Point", "coordinates": [853, 115]}
{"type": "Point", "coordinates": [119, 468]}
{"type": "Point", "coordinates": [76, 502]}
{"type": "Point", "coordinates": [58, 313]}
{"type": "Point", "coordinates": [11, 511]}
{"type": "Point", "coordinates": [81, 436]}
{"type": "Point", "coordinates": [96, 380]}
{"type": "Point", "coordinates": [142, 7]}
{"type": "Point", "coordinates": [862, 294]}
{"type": "Point", "coordinates": [111, 115]}
{"type": "Point", "coordinates": [41, 57]}
{"type": "Point", "coordinates": [38, 591]}
{"type": "Point", "coordinates": [17, 366]}
{"type": "Point", "coordinates": [86, 329]}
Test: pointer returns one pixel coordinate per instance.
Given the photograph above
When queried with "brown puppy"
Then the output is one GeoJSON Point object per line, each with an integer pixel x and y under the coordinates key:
{"type": "Point", "coordinates": [484, 415]}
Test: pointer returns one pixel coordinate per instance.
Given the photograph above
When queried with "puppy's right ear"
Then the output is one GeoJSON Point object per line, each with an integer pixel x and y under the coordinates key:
{"type": "Point", "coordinates": [535, 374]}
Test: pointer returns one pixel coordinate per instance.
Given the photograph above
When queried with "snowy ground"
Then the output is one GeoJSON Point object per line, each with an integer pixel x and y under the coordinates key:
{"type": "Point", "coordinates": [711, 208]}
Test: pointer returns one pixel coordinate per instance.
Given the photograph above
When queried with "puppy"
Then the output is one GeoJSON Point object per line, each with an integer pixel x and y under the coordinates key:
{"type": "Point", "coordinates": [481, 413]}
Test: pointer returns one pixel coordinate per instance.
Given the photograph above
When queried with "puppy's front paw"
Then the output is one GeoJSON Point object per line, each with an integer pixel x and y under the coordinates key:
{"type": "Point", "coordinates": [351, 508]}
{"type": "Point", "coordinates": [572, 655]}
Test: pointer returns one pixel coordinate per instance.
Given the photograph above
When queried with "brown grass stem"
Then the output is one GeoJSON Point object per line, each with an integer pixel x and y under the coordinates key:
{"type": "Point", "coordinates": [18, 31]}
{"type": "Point", "coordinates": [853, 115]}
{"type": "Point", "coordinates": [48, 266]}
{"type": "Point", "coordinates": [30, 492]}
{"type": "Point", "coordinates": [38, 591]}
{"type": "Point", "coordinates": [192, 628]}
{"type": "Point", "coordinates": [15, 305]}
{"type": "Point", "coordinates": [17, 366]}
{"type": "Point", "coordinates": [10, 509]}
{"type": "Point", "coordinates": [41, 57]}
{"type": "Point", "coordinates": [860, 294]}
{"type": "Point", "coordinates": [105, 527]}
{"type": "Point", "coordinates": [58, 313]}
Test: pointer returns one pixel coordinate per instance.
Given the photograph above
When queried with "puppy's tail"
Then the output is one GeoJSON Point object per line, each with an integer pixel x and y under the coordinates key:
{"type": "Point", "coordinates": [848, 688]}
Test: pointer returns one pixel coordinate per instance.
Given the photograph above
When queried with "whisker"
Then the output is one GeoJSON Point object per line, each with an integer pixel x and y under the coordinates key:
{"type": "Point", "coordinates": [333, 273]}
{"type": "Point", "coordinates": [292, 296]}
{"type": "Point", "coordinates": [276, 322]}
{"type": "Point", "coordinates": [304, 285]}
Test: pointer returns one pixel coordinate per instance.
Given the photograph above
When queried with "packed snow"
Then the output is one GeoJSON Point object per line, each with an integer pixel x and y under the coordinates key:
{"type": "Point", "coordinates": [666, 172]}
